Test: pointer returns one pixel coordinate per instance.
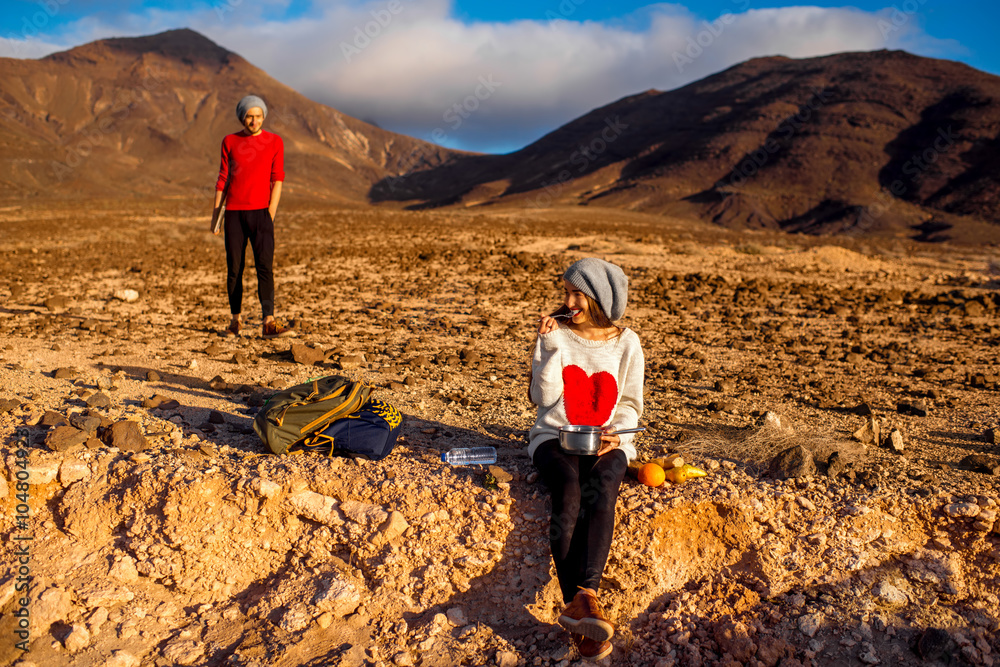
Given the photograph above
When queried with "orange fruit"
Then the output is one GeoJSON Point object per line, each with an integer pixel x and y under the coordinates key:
{"type": "Point", "coordinates": [652, 475]}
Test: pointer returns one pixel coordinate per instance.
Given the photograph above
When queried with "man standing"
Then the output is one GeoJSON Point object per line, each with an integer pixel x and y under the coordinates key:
{"type": "Point", "coordinates": [250, 177]}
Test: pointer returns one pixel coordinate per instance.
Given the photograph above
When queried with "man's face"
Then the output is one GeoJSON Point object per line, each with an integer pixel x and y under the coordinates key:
{"type": "Point", "coordinates": [254, 120]}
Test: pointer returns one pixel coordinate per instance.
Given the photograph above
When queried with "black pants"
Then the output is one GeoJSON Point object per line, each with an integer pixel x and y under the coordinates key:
{"type": "Point", "coordinates": [258, 228]}
{"type": "Point", "coordinates": [584, 490]}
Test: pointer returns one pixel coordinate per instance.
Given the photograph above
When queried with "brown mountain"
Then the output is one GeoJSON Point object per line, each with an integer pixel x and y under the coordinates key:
{"type": "Point", "coordinates": [855, 142]}
{"type": "Point", "coordinates": [146, 116]}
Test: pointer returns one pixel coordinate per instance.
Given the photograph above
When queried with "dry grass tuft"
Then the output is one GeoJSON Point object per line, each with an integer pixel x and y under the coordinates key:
{"type": "Point", "coordinates": [755, 446]}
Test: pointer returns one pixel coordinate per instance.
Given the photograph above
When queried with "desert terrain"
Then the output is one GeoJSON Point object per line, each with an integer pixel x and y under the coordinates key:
{"type": "Point", "coordinates": [160, 532]}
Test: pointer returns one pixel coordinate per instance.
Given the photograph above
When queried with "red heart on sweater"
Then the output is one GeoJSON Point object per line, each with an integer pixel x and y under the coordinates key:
{"type": "Point", "coordinates": [589, 399]}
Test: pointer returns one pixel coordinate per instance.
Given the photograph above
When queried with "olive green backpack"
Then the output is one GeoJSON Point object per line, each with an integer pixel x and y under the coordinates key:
{"type": "Point", "coordinates": [296, 413]}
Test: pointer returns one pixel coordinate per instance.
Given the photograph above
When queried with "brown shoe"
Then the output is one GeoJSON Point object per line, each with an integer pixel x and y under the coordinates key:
{"type": "Point", "coordinates": [233, 330]}
{"type": "Point", "coordinates": [590, 649]}
{"type": "Point", "coordinates": [584, 616]}
{"type": "Point", "coordinates": [274, 330]}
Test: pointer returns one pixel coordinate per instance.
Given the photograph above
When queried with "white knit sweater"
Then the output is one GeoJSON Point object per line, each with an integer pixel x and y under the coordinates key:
{"type": "Point", "coordinates": [580, 381]}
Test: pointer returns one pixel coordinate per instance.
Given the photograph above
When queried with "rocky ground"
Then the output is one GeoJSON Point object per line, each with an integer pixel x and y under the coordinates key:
{"type": "Point", "coordinates": [159, 532]}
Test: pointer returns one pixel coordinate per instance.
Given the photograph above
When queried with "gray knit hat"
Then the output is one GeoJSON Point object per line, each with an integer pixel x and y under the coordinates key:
{"type": "Point", "coordinates": [603, 282]}
{"type": "Point", "coordinates": [247, 103]}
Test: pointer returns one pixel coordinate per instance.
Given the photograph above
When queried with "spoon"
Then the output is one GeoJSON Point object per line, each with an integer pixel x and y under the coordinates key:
{"type": "Point", "coordinates": [562, 316]}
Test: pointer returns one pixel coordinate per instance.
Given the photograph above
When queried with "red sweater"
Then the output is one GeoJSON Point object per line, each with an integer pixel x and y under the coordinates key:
{"type": "Point", "coordinates": [251, 165]}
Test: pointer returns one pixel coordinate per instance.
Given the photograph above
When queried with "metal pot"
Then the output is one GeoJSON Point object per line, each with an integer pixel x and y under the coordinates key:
{"type": "Point", "coordinates": [586, 440]}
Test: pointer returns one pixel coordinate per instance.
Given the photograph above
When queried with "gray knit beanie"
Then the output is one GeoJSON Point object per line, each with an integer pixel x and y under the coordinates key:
{"type": "Point", "coordinates": [603, 282]}
{"type": "Point", "coordinates": [247, 103]}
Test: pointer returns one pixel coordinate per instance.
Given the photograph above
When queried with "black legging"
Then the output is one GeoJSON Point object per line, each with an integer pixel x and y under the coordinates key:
{"type": "Point", "coordinates": [257, 227]}
{"type": "Point", "coordinates": [584, 490]}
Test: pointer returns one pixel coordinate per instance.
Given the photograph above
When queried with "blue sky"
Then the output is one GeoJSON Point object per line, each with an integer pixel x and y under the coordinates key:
{"type": "Point", "coordinates": [494, 76]}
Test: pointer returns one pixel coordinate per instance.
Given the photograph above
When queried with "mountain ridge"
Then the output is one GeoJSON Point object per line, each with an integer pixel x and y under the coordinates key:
{"type": "Point", "coordinates": [818, 145]}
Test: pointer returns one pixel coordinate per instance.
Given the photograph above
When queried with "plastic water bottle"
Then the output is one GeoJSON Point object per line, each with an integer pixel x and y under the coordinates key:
{"type": "Point", "coordinates": [470, 456]}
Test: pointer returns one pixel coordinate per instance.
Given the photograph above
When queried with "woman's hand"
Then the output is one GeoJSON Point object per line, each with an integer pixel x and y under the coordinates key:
{"type": "Point", "coordinates": [609, 443]}
{"type": "Point", "coordinates": [547, 325]}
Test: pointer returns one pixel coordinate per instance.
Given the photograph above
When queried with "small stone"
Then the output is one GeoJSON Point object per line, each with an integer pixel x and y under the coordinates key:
{"type": "Point", "coordinates": [9, 405]}
{"type": "Point", "coordinates": [214, 349]}
{"type": "Point", "coordinates": [499, 474]}
{"type": "Point", "coordinates": [961, 510]}
{"type": "Point", "coordinates": [725, 386]}
{"type": "Point", "coordinates": [126, 435]}
{"type": "Point", "coordinates": [56, 302]}
{"type": "Point", "coordinates": [891, 594]}
{"type": "Point", "coordinates": [402, 659]}
{"type": "Point", "coordinates": [65, 373]}
{"type": "Point", "coordinates": [868, 434]}
{"type": "Point", "coordinates": [126, 295]}
{"type": "Point", "coordinates": [121, 659]}
{"type": "Point", "coordinates": [77, 639]}
{"type": "Point", "coordinates": [805, 503]}
{"type": "Point", "coordinates": [42, 472]}
{"type": "Point", "coordinates": [325, 620]}
{"type": "Point", "coordinates": [62, 438]}
{"type": "Point", "coordinates": [351, 361]}
{"type": "Point", "coordinates": [456, 616]}
{"type": "Point", "coordinates": [895, 441]}
{"type": "Point", "coordinates": [393, 527]}
{"type": "Point", "coordinates": [160, 402]}
{"type": "Point", "coordinates": [86, 422]}
{"type": "Point", "coordinates": [791, 463]}
{"type": "Point", "coordinates": [124, 570]}
{"type": "Point", "coordinates": [809, 624]}
{"type": "Point", "coordinates": [184, 652]}
{"type": "Point", "coordinates": [99, 400]}
{"type": "Point", "coordinates": [305, 355]}
{"type": "Point", "coordinates": [216, 417]}
{"type": "Point", "coordinates": [864, 409]}
{"type": "Point", "coordinates": [315, 506]}
{"type": "Point", "coordinates": [152, 376]}
{"type": "Point", "coordinates": [506, 659]}
{"type": "Point", "coordinates": [992, 436]}
{"type": "Point", "coordinates": [868, 655]}
{"type": "Point", "coordinates": [337, 596]}
{"type": "Point", "coordinates": [73, 471]}
{"type": "Point", "coordinates": [241, 359]}
{"type": "Point", "coordinates": [916, 408]}
{"type": "Point", "coordinates": [51, 418]}
{"type": "Point", "coordinates": [97, 618]}
{"type": "Point", "coordinates": [265, 487]}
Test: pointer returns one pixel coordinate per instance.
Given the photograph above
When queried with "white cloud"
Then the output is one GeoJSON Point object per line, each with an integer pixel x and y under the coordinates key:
{"type": "Point", "coordinates": [406, 63]}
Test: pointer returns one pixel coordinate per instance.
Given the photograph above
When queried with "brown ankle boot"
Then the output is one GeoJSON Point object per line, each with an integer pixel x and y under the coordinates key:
{"type": "Point", "coordinates": [584, 616]}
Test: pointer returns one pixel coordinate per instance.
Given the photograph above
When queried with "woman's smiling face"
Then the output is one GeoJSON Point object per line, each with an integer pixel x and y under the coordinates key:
{"type": "Point", "coordinates": [576, 301]}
